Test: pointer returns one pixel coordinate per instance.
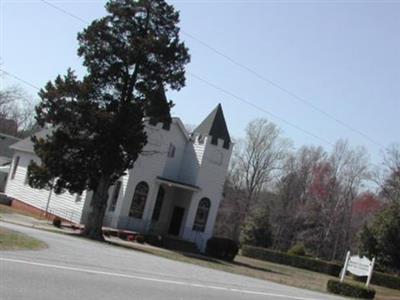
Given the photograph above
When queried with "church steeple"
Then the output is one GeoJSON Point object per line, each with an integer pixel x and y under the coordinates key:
{"type": "Point", "coordinates": [214, 125]}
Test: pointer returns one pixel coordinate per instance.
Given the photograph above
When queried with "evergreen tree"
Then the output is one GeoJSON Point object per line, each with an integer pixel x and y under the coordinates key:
{"type": "Point", "coordinates": [96, 123]}
{"type": "Point", "coordinates": [382, 238]}
{"type": "Point", "coordinates": [257, 230]}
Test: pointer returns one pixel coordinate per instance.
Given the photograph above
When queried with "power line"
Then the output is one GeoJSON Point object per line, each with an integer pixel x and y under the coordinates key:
{"type": "Point", "coordinates": [235, 96]}
{"type": "Point", "coordinates": [259, 108]}
{"type": "Point", "coordinates": [222, 90]}
{"type": "Point", "coordinates": [23, 81]}
{"type": "Point", "coordinates": [281, 88]}
{"type": "Point", "coordinates": [219, 89]}
{"type": "Point", "coordinates": [251, 71]}
{"type": "Point", "coordinates": [65, 11]}
{"type": "Point", "coordinates": [19, 79]}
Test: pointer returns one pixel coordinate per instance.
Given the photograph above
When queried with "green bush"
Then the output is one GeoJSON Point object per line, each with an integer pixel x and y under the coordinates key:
{"type": "Point", "coordinates": [257, 229]}
{"type": "Point", "coordinates": [350, 290]}
{"type": "Point", "coordinates": [57, 222]}
{"type": "Point", "coordinates": [222, 248]}
{"type": "Point", "coordinates": [154, 240]}
{"type": "Point", "coordinates": [316, 265]}
{"type": "Point", "coordinates": [298, 250]}
{"type": "Point", "coordinates": [382, 279]}
{"type": "Point", "coordinates": [307, 263]}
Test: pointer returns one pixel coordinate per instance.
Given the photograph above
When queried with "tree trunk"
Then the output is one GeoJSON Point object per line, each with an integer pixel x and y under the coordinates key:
{"type": "Point", "coordinates": [94, 222]}
{"type": "Point", "coordinates": [335, 245]}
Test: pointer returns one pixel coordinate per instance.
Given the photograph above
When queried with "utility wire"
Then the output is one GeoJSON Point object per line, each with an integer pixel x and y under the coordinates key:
{"type": "Point", "coordinates": [219, 89]}
{"type": "Point", "coordinates": [65, 11]}
{"type": "Point", "coordinates": [23, 81]}
{"type": "Point", "coordinates": [260, 108]}
{"type": "Point", "coordinates": [281, 88]}
{"type": "Point", "coordinates": [251, 71]}
{"type": "Point", "coordinates": [237, 97]}
{"type": "Point", "coordinates": [19, 79]}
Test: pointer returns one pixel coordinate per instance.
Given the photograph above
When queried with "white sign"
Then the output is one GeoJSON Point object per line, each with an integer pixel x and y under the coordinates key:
{"type": "Point", "coordinates": [359, 266]}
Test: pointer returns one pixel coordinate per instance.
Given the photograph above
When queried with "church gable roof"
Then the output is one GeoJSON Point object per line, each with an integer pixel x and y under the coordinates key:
{"type": "Point", "coordinates": [214, 125]}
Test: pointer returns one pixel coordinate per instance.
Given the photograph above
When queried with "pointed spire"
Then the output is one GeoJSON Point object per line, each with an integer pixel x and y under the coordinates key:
{"type": "Point", "coordinates": [214, 125]}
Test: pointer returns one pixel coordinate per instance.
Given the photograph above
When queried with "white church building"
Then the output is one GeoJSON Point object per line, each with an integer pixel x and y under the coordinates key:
{"type": "Point", "coordinates": [174, 189]}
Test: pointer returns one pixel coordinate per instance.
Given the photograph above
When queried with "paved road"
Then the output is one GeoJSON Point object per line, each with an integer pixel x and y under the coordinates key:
{"type": "Point", "coordinates": [74, 268]}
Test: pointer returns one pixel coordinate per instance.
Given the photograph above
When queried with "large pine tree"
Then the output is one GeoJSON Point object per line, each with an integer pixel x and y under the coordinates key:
{"type": "Point", "coordinates": [97, 132]}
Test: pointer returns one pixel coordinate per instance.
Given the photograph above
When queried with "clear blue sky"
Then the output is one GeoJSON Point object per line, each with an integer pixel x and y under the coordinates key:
{"type": "Point", "coordinates": [342, 56]}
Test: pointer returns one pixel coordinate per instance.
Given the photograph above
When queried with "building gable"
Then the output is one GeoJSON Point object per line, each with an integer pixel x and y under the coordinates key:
{"type": "Point", "coordinates": [214, 125]}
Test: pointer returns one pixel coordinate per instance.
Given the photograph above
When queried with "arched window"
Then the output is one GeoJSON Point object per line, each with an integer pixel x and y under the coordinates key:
{"type": "Point", "coordinates": [171, 150]}
{"type": "Point", "coordinates": [139, 200]}
{"type": "Point", "coordinates": [202, 215]}
{"type": "Point", "coordinates": [159, 203]}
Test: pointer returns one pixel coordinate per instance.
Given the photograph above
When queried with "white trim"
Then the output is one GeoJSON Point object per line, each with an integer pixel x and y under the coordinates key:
{"type": "Point", "coordinates": [5, 169]}
{"type": "Point", "coordinates": [181, 127]}
{"type": "Point", "coordinates": [178, 185]}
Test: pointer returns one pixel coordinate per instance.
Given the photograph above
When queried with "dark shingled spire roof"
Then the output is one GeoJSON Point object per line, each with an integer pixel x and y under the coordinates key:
{"type": "Point", "coordinates": [215, 126]}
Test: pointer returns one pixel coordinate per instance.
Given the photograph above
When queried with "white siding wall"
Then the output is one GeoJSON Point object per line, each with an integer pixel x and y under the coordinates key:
{"type": "Point", "coordinates": [173, 164]}
{"type": "Point", "coordinates": [189, 168]}
{"type": "Point", "coordinates": [109, 215]}
{"type": "Point", "coordinates": [147, 168]}
{"type": "Point", "coordinates": [63, 205]}
{"type": "Point", "coordinates": [211, 179]}
{"type": "Point", "coordinates": [166, 209]}
{"type": "Point", "coordinates": [199, 149]}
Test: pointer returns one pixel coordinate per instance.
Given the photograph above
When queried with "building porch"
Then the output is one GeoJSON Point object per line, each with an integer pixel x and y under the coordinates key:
{"type": "Point", "coordinates": [168, 212]}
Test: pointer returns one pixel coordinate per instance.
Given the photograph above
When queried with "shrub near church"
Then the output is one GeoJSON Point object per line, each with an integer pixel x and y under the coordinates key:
{"type": "Point", "coordinates": [222, 248]}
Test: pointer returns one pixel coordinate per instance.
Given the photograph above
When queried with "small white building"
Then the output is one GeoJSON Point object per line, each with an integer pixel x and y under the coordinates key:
{"type": "Point", "coordinates": [174, 189]}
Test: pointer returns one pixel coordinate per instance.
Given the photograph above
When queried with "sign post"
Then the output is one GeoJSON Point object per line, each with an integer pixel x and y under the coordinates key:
{"type": "Point", "coordinates": [346, 263]}
{"type": "Point", "coordinates": [359, 266]}
{"type": "Point", "coordinates": [370, 273]}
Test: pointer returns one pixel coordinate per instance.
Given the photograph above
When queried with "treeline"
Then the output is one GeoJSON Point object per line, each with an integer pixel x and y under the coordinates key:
{"type": "Point", "coordinates": [317, 201]}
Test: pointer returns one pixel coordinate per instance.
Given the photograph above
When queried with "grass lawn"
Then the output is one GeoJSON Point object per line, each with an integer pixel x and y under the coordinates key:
{"type": "Point", "coordinates": [262, 270]}
{"type": "Point", "coordinates": [4, 209]}
{"type": "Point", "coordinates": [13, 240]}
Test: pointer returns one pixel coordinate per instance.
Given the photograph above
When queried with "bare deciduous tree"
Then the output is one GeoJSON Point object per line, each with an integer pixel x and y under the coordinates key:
{"type": "Point", "coordinates": [16, 112]}
{"type": "Point", "coordinates": [288, 211]}
{"type": "Point", "coordinates": [231, 210]}
{"type": "Point", "coordinates": [390, 183]}
{"type": "Point", "coordinates": [335, 186]}
{"type": "Point", "coordinates": [189, 127]}
{"type": "Point", "coordinates": [259, 156]}
{"type": "Point", "coordinates": [254, 164]}
{"type": "Point", "coordinates": [315, 196]}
